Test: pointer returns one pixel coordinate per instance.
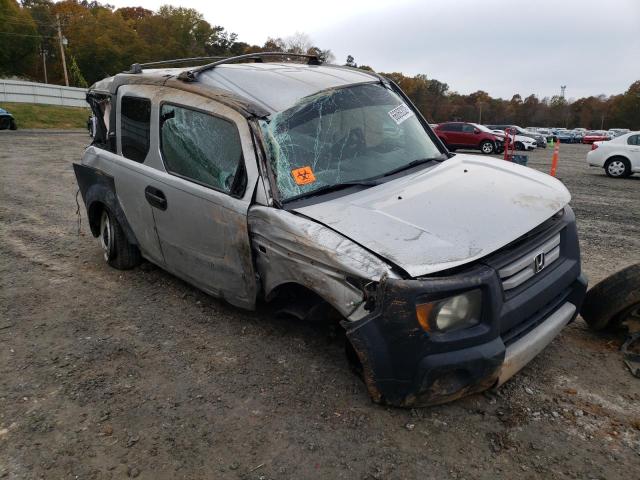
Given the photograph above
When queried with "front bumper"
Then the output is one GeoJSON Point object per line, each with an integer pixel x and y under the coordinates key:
{"type": "Point", "coordinates": [405, 366]}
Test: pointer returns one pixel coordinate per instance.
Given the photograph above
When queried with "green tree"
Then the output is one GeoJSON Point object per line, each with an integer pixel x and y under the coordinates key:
{"type": "Point", "coordinates": [19, 39]}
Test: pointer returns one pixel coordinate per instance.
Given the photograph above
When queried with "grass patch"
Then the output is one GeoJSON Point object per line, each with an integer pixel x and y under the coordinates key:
{"type": "Point", "coordinates": [29, 115]}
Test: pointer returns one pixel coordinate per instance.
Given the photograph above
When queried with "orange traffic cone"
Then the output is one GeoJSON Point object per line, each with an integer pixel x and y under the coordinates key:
{"type": "Point", "coordinates": [554, 159]}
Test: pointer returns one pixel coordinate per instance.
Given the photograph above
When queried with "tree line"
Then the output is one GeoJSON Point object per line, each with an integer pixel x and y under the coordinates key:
{"type": "Point", "coordinates": [102, 40]}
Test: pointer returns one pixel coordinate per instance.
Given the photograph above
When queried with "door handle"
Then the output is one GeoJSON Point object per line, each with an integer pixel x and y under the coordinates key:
{"type": "Point", "coordinates": [155, 197]}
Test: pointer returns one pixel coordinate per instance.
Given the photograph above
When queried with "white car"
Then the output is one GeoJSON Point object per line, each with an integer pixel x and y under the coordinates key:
{"type": "Point", "coordinates": [521, 142]}
{"type": "Point", "coordinates": [619, 157]}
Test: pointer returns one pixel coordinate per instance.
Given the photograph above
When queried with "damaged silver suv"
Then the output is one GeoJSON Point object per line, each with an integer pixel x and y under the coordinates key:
{"type": "Point", "coordinates": [324, 185]}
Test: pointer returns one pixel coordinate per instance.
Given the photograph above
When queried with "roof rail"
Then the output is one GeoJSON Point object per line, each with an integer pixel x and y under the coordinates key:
{"type": "Point", "coordinates": [190, 75]}
{"type": "Point", "coordinates": [137, 67]}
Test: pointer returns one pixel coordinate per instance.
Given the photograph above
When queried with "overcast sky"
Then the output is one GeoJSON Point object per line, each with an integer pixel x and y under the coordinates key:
{"type": "Point", "coordinates": [502, 47]}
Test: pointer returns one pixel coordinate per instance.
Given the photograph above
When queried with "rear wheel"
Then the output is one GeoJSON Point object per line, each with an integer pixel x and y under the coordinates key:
{"type": "Point", "coordinates": [617, 167]}
{"type": "Point", "coordinates": [519, 146]}
{"type": "Point", "coordinates": [117, 251]}
{"type": "Point", "coordinates": [487, 147]}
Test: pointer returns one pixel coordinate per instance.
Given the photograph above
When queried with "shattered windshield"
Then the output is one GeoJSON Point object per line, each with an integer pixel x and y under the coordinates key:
{"type": "Point", "coordinates": [343, 135]}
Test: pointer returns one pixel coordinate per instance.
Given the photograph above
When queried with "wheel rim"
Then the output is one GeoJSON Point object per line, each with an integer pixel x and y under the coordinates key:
{"type": "Point", "coordinates": [105, 234]}
{"type": "Point", "coordinates": [616, 168]}
{"type": "Point", "coordinates": [487, 148]}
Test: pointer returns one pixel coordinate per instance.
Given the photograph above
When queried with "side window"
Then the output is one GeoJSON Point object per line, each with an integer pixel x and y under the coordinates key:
{"type": "Point", "coordinates": [135, 127]}
{"type": "Point", "coordinates": [466, 128]}
{"type": "Point", "coordinates": [200, 147]}
{"type": "Point", "coordinates": [455, 127]}
{"type": "Point", "coordinates": [634, 140]}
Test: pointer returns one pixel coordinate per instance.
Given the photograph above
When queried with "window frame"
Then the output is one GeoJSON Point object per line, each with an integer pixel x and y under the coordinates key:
{"type": "Point", "coordinates": [119, 126]}
{"type": "Point", "coordinates": [637, 138]}
{"type": "Point", "coordinates": [239, 186]}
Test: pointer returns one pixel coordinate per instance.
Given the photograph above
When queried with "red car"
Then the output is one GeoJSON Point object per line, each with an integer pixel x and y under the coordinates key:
{"type": "Point", "coordinates": [595, 136]}
{"type": "Point", "coordinates": [468, 136]}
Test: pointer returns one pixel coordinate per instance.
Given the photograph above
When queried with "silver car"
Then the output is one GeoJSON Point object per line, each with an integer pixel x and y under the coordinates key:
{"type": "Point", "coordinates": [322, 187]}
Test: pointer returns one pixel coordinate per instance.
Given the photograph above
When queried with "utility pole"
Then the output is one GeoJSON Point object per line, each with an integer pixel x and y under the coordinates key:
{"type": "Point", "coordinates": [480, 116]}
{"type": "Point", "coordinates": [44, 63]}
{"type": "Point", "coordinates": [64, 60]}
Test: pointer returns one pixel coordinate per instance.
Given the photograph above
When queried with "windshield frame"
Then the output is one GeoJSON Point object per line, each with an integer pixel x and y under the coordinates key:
{"type": "Point", "coordinates": [276, 197]}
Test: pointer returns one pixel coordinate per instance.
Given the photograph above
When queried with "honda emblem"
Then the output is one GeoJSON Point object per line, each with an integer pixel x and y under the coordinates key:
{"type": "Point", "coordinates": [539, 262]}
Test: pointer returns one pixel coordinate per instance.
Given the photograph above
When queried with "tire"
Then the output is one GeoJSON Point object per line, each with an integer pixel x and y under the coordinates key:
{"type": "Point", "coordinates": [118, 252]}
{"type": "Point", "coordinates": [487, 147]}
{"type": "Point", "coordinates": [13, 125]}
{"type": "Point", "coordinates": [519, 146]}
{"type": "Point", "coordinates": [613, 300]}
{"type": "Point", "coordinates": [617, 167]}
{"type": "Point", "coordinates": [5, 123]}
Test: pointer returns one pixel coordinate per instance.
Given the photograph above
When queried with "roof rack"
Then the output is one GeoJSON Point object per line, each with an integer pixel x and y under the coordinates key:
{"type": "Point", "coordinates": [190, 75]}
{"type": "Point", "coordinates": [137, 67]}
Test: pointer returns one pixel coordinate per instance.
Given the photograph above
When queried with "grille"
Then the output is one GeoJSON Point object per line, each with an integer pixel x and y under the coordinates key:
{"type": "Point", "coordinates": [522, 269]}
{"type": "Point", "coordinates": [521, 329]}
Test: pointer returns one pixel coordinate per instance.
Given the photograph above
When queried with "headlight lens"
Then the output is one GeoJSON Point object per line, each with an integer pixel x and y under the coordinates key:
{"type": "Point", "coordinates": [453, 313]}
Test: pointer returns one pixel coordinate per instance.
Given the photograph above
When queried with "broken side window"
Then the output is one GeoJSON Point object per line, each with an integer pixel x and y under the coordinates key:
{"type": "Point", "coordinates": [200, 147]}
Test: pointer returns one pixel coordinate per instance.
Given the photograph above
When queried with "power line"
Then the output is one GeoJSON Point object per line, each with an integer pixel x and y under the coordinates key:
{"type": "Point", "coordinates": [26, 35]}
{"type": "Point", "coordinates": [11, 19]}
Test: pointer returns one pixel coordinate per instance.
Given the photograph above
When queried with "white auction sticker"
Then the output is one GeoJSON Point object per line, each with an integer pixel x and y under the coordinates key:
{"type": "Point", "coordinates": [400, 113]}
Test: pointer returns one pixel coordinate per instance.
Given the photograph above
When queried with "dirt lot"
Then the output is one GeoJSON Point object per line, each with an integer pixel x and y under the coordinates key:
{"type": "Point", "coordinates": [109, 374]}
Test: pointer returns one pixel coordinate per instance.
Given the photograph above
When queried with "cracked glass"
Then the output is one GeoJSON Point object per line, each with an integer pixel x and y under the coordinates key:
{"type": "Point", "coordinates": [343, 135]}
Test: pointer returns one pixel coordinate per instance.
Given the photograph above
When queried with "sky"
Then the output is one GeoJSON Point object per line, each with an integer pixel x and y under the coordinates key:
{"type": "Point", "coordinates": [501, 47]}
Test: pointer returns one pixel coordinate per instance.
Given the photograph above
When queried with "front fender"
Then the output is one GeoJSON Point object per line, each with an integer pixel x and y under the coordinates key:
{"type": "Point", "coordinates": [290, 248]}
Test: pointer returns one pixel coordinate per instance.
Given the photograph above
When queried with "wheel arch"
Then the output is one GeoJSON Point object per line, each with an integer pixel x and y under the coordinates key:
{"type": "Point", "coordinates": [99, 192]}
{"type": "Point", "coordinates": [616, 155]}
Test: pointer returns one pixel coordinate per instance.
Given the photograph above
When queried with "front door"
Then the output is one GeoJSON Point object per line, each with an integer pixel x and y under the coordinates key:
{"type": "Point", "coordinates": [202, 194]}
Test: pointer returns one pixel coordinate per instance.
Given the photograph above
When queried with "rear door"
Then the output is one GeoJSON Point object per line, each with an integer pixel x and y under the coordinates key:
{"type": "Point", "coordinates": [202, 193]}
{"type": "Point", "coordinates": [454, 134]}
{"type": "Point", "coordinates": [132, 166]}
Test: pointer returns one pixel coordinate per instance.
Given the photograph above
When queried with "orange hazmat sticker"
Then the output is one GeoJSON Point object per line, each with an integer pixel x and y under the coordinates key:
{"type": "Point", "coordinates": [303, 175]}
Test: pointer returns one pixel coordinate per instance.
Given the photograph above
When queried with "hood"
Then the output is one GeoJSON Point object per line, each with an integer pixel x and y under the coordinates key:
{"type": "Point", "coordinates": [454, 213]}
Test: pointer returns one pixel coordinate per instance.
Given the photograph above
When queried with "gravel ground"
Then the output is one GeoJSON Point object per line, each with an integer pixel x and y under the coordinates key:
{"type": "Point", "coordinates": [109, 374]}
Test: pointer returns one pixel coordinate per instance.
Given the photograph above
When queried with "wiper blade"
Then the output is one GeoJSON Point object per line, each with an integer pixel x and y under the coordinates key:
{"type": "Point", "coordinates": [414, 163]}
{"type": "Point", "coordinates": [334, 187]}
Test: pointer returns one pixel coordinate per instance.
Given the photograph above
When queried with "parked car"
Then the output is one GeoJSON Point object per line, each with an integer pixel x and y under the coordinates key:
{"type": "Point", "coordinates": [548, 134]}
{"type": "Point", "coordinates": [566, 136]}
{"type": "Point", "coordinates": [619, 157]}
{"type": "Point", "coordinates": [449, 273]}
{"type": "Point", "coordinates": [595, 136]}
{"type": "Point", "coordinates": [7, 122]}
{"type": "Point", "coordinates": [467, 135]}
{"type": "Point", "coordinates": [541, 140]}
{"type": "Point", "coordinates": [616, 132]}
{"type": "Point", "coordinates": [520, 142]}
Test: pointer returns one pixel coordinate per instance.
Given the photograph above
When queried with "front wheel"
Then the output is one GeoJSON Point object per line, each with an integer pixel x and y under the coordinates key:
{"type": "Point", "coordinates": [519, 146]}
{"type": "Point", "coordinates": [13, 125]}
{"type": "Point", "coordinates": [117, 250]}
{"type": "Point", "coordinates": [487, 147]}
{"type": "Point", "coordinates": [617, 167]}
{"type": "Point", "coordinates": [613, 300]}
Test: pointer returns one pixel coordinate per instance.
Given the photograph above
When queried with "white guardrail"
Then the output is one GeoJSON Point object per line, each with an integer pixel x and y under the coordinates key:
{"type": "Point", "coordinates": [43, 93]}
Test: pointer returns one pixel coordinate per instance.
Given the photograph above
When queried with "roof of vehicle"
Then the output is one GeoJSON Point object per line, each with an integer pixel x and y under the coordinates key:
{"type": "Point", "coordinates": [273, 86]}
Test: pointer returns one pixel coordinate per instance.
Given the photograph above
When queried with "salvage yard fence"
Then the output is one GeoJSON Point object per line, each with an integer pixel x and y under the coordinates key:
{"type": "Point", "coordinates": [43, 93]}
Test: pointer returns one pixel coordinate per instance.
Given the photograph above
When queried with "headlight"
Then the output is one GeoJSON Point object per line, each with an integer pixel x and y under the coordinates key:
{"type": "Point", "coordinates": [453, 313]}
